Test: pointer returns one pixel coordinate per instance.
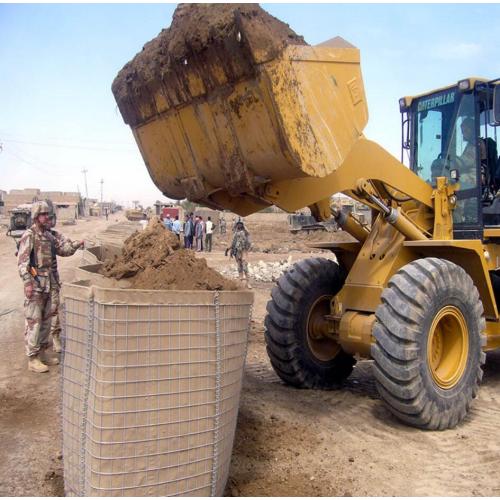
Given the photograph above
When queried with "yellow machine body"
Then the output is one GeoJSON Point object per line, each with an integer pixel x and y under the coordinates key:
{"type": "Point", "coordinates": [292, 136]}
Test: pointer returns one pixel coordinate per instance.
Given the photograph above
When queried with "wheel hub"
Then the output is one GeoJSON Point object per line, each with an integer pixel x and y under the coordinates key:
{"type": "Point", "coordinates": [321, 344]}
{"type": "Point", "coordinates": [448, 347]}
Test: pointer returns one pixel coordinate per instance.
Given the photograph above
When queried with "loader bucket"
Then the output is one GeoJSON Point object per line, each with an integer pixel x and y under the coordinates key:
{"type": "Point", "coordinates": [220, 124]}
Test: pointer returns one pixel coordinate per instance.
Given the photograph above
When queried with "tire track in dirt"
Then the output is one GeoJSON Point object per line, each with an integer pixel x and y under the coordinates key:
{"type": "Point", "coordinates": [363, 438]}
{"type": "Point", "coordinates": [469, 454]}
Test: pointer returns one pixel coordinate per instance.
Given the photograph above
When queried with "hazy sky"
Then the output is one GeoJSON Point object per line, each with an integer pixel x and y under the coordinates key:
{"type": "Point", "coordinates": [57, 62]}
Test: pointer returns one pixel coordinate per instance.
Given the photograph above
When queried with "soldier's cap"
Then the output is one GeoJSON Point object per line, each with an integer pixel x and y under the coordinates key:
{"type": "Point", "coordinates": [40, 207]}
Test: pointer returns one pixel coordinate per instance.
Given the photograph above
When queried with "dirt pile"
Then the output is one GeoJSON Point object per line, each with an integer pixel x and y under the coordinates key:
{"type": "Point", "coordinates": [186, 60]}
{"type": "Point", "coordinates": [196, 27]}
{"type": "Point", "coordinates": [153, 260]}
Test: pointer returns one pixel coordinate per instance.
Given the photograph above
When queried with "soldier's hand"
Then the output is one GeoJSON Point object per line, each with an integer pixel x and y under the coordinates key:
{"type": "Point", "coordinates": [82, 244]}
{"type": "Point", "coordinates": [28, 290]}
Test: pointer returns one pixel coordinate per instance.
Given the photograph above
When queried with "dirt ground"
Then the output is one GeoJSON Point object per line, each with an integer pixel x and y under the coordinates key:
{"type": "Point", "coordinates": [288, 442]}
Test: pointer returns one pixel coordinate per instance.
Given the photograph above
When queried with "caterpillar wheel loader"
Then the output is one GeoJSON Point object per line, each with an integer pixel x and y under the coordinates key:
{"type": "Point", "coordinates": [237, 128]}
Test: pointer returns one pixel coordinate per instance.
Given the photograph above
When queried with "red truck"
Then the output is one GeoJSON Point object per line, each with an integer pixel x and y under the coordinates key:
{"type": "Point", "coordinates": [172, 211]}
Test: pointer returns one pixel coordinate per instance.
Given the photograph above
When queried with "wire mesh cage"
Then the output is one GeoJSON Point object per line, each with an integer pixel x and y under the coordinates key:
{"type": "Point", "coordinates": [151, 387]}
{"type": "Point", "coordinates": [99, 253]}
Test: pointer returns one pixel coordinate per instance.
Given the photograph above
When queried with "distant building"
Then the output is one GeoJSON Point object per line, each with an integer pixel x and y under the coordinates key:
{"type": "Point", "coordinates": [67, 203]}
{"type": "Point", "coordinates": [16, 197]}
{"type": "Point", "coordinates": [66, 211]}
{"type": "Point", "coordinates": [108, 207]}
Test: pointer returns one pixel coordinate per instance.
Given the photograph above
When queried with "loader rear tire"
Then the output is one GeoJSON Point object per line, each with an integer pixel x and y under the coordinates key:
{"type": "Point", "coordinates": [429, 334]}
{"type": "Point", "coordinates": [298, 303]}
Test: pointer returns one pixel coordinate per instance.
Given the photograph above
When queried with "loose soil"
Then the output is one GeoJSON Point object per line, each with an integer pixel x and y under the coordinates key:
{"type": "Point", "coordinates": [153, 260]}
{"type": "Point", "coordinates": [234, 37]}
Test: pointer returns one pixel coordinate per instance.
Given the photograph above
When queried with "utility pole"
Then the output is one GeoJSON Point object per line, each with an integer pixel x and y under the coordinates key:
{"type": "Point", "coordinates": [84, 172]}
{"type": "Point", "coordinates": [102, 182]}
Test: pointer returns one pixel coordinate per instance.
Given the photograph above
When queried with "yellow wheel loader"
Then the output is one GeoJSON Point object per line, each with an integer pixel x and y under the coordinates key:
{"type": "Point", "coordinates": [236, 126]}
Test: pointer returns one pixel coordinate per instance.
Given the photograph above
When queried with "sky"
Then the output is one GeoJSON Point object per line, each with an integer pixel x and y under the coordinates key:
{"type": "Point", "coordinates": [58, 116]}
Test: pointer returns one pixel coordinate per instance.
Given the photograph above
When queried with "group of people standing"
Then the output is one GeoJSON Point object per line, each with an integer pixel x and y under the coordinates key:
{"type": "Point", "coordinates": [173, 225]}
{"type": "Point", "coordinates": [197, 232]}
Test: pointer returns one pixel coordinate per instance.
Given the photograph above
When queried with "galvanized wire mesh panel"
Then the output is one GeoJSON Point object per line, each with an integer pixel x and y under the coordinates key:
{"type": "Point", "coordinates": [151, 386]}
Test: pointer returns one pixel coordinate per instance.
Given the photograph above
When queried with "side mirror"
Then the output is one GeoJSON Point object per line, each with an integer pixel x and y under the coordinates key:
{"type": "Point", "coordinates": [496, 105]}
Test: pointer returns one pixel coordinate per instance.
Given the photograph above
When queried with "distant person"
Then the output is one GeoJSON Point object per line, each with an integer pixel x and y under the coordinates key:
{"type": "Point", "coordinates": [222, 225]}
{"type": "Point", "coordinates": [167, 222]}
{"type": "Point", "coordinates": [199, 233]}
{"type": "Point", "coordinates": [188, 231]}
{"type": "Point", "coordinates": [195, 228]}
{"type": "Point", "coordinates": [209, 228]}
{"type": "Point", "coordinates": [239, 250]}
{"type": "Point", "coordinates": [38, 248]}
{"type": "Point", "coordinates": [106, 213]}
{"type": "Point", "coordinates": [176, 227]}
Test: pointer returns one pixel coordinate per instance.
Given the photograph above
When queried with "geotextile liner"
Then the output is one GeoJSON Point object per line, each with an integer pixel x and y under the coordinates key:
{"type": "Point", "coordinates": [153, 260]}
{"type": "Point", "coordinates": [151, 386]}
{"type": "Point", "coordinates": [201, 39]}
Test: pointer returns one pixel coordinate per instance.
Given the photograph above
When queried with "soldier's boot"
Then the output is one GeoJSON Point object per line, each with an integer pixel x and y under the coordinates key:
{"type": "Point", "coordinates": [44, 358]}
{"type": "Point", "coordinates": [56, 343]}
{"type": "Point", "coordinates": [35, 365]}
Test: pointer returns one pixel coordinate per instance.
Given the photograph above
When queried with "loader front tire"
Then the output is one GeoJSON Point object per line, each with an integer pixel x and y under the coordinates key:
{"type": "Point", "coordinates": [299, 353]}
{"type": "Point", "coordinates": [429, 333]}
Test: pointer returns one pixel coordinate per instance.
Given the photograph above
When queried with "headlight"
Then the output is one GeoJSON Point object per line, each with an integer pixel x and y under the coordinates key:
{"type": "Point", "coordinates": [464, 85]}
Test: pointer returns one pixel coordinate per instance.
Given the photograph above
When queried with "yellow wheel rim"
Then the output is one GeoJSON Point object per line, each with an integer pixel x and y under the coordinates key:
{"type": "Point", "coordinates": [448, 347]}
{"type": "Point", "coordinates": [323, 347]}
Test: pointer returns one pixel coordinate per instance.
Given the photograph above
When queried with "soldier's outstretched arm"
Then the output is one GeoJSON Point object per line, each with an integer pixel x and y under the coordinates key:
{"type": "Point", "coordinates": [64, 246]}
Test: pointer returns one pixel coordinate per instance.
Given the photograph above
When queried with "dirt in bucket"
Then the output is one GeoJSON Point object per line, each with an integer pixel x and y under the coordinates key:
{"type": "Point", "coordinates": [195, 27]}
{"type": "Point", "coordinates": [153, 260]}
{"type": "Point", "coordinates": [203, 42]}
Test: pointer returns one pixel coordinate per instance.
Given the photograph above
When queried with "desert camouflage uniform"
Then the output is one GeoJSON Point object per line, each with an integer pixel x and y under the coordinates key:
{"type": "Point", "coordinates": [240, 247]}
{"type": "Point", "coordinates": [39, 248]}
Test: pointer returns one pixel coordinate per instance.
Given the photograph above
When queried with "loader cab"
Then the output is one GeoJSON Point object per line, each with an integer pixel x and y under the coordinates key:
{"type": "Point", "coordinates": [452, 133]}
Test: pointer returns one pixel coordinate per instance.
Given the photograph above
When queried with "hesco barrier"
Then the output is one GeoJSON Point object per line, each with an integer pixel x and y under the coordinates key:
{"type": "Point", "coordinates": [151, 387]}
{"type": "Point", "coordinates": [91, 274]}
{"type": "Point", "coordinates": [96, 254]}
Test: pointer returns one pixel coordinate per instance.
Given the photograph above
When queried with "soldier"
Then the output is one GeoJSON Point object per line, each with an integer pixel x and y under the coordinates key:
{"type": "Point", "coordinates": [222, 225]}
{"type": "Point", "coordinates": [467, 208]}
{"type": "Point", "coordinates": [239, 250]}
{"type": "Point", "coordinates": [37, 251]}
{"type": "Point", "coordinates": [467, 160]}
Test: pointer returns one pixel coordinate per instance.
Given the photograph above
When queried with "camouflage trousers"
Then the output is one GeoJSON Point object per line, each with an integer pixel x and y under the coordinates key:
{"type": "Point", "coordinates": [242, 263]}
{"type": "Point", "coordinates": [38, 320]}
